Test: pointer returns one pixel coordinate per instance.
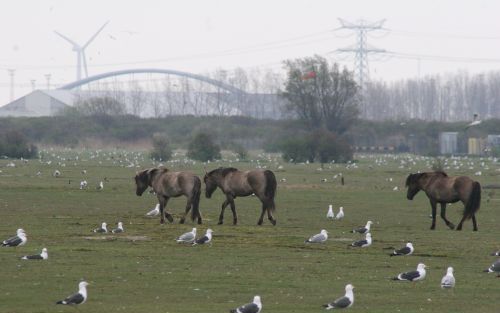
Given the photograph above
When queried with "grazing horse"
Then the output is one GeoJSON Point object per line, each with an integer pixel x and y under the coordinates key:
{"type": "Point", "coordinates": [167, 184]}
{"type": "Point", "coordinates": [442, 189]}
{"type": "Point", "coordinates": [235, 183]}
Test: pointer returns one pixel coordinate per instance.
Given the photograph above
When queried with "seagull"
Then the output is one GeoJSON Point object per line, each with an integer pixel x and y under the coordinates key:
{"type": "Point", "coordinates": [475, 121]}
{"type": "Point", "coordinates": [363, 230]}
{"type": "Point", "coordinates": [118, 229]}
{"type": "Point", "coordinates": [419, 274]}
{"type": "Point", "coordinates": [78, 298]}
{"type": "Point", "coordinates": [205, 239]}
{"type": "Point", "coordinates": [330, 213]}
{"type": "Point", "coordinates": [496, 253]}
{"type": "Point", "coordinates": [494, 268]}
{"type": "Point", "coordinates": [17, 240]}
{"type": "Point", "coordinates": [254, 307]}
{"type": "Point", "coordinates": [343, 302]}
{"type": "Point", "coordinates": [340, 215]}
{"type": "Point", "coordinates": [318, 238]}
{"type": "Point", "coordinates": [155, 211]}
{"type": "Point", "coordinates": [407, 250]}
{"type": "Point", "coordinates": [42, 256]}
{"type": "Point", "coordinates": [83, 184]}
{"type": "Point", "coordinates": [363, 243]}
{"type": "Point", "coordinates": [188, 237]}
{"type": "Point", "coordinates": [448, 280]}
{"type": "Point", "coordinates": [102, 229]}
{"type": "Point", "coordinates": [100, 186]}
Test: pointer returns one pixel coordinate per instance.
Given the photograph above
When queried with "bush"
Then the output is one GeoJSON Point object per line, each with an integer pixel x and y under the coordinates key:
{"type": "Point", "coordinates": [203, 148]}
{"type": "Point", "coordinates": [161, 147]}
{"type": "Point", "coordinates": [14, 144]}
{"type": "Point", "coordinates": [240, 151]}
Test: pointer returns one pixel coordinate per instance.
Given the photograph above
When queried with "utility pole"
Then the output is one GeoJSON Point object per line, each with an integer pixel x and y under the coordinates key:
{"type": "Point", "coordinates": [361, 49]}
{"type": "Point", "coordinates": [47, 77]}
{"type": "Point", "coordinates": [33, 84]}
{"type": "Point", "coordinates": [12, 72]}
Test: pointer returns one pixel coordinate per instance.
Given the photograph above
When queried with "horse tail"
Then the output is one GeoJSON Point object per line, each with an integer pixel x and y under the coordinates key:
{"type": "Point", "coordinates": [195, 212]}
{"type": "Point", "coordinates": [270, 191]}
{"type": "Point", "coordinates": [474, 202]}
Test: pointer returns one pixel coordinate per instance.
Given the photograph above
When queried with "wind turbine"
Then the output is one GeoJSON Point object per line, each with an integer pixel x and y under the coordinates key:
{"type": "Point", "coordinates": [80, 52]}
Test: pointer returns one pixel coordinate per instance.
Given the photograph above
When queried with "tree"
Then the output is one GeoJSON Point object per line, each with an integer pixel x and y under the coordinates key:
{"type": "Point", "coordinates": [203, 148]}
{"type": "Point", "coordinates": [161, 147]}
{"type": "Point", "coordinates": [14, 144]}
{"type": "Point", "coordinates": [321, 95]}
{"type": "Point", "coordinates": [100, 106]}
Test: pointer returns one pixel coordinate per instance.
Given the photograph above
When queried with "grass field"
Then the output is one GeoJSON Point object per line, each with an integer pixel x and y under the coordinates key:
{"type": "Point", "coordinates": [145, 270]}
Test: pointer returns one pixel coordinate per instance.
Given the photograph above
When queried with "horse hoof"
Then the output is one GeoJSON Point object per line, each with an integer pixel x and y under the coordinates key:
{"type": "Point", "coordinates": [459, 228]}
{"type": "Point", "coordinates": [162, 222]}
{"type": "Point", "coordinates": [199, 222]}
{"type": "Point", "coordinates": [181, 221]}
{"type": "Point", "coordinates": [259, 223]}
{"type": "Point", "coordinates": [220, 223]}
{"type": "Point", "coordinates": [170, 219]}
{"type": "Point", "coordinates": [475, 229]}
{"type": "Point", "coordinates": [273, 222]}
{"type": "Point", "coordinates": [451, 226]}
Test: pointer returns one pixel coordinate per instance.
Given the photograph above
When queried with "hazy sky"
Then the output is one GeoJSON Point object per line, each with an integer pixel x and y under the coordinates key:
{"type": "Point", "coordinates": [202, 35]}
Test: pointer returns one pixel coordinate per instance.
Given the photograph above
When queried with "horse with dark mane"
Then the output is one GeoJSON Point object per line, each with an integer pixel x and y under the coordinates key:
{"type": "Point", "coordinates": [235, 183]}
{"type": "Point", "coordinates": [442, 189]}
{"type": "Point", "coordinates": [167, 184]}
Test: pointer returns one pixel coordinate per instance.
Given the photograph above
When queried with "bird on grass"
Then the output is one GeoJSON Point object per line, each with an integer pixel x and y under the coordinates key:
{"type": "Point", "coordinates": [496, 253]}
{"type": "Point", "coordinates": [407, 250]}
{"type": "Point", "coordinates": [494, 268]}
{"type": "Point", "coordinates": [340, 215]}
{"type": "Point", "coordinates": [100, 186]}
{"type": "Point", "coordinates": [188, 237]}
{"type": "Point", "coordinates": [448, 280]}
{"type": "Point", "coordinates": [475, 121]}
{"type": "Point", "coordinates": [254, 307]}
{"type": "Point", "coordinates": [330, 214]}
{"type": "Point", "coordinates": [118, 229]}
{"type": "Point", "coordinates": [363, 243]}
{"type": "Point", "coordinates": [155, 211]}
{"type": "Point", "coordinates": [364, 229]}
{"type": "Point", "coordinates": [205, 239]}
{"type": "Point", "coordinates": [318, 238]}
{"type": "Point", "coordinates": [343, 302]}
{"type": "Point", "coordinates": [102, 229]}
{"type": "Point", "coordinates": [18, 240]}
{"type": "Point", "coordinates": [78, 298]}
{"type": "Point", "coordinates": [42, 256]}
{"type": "Point", "coordinates": [417, 275]}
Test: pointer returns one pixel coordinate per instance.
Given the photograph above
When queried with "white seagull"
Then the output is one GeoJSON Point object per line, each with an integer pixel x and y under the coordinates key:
{"type": "Point", "coordinates": [318, 238]}
{"type": "Point", "coordinates": [496, 253]}
{"type": "Point", "coordinates": [343, 302]}
{"type": "Point", "coordinates": [188, 237]}
{"type": "Point", "coordinates": [475, 121]}
{"type": "Point", "coordinates": [83, 184]}
{"type": "Point", "coordinates": [42, 256]}
{"type": "Point", "coordinates": [417, 275]}
{"type": "Point", "coordinates": [448, 280]}
{"type": "Point", "coordinates": [494, 268]}
{"type": "Point", "coordinates": [407, 250]}
{"type": "Point", "coordinates": [100, 186]}
{"type": "Point", "coordinates": [155, 211]}
{"type": "Point", "coordinates": [16, 241]}
{"type": "Point", "coordinates": [363, 243]}
{"type": "Point", "coordinates": [102, 229]}
{"type": "Point", "coordinates": [254, 307]}
{"type": "Point", "coordinates": [118, 229]}
{"type": "Point", "coordinates": [77, 298]}
{"type": "Point", "coordinates": [340, 215]}
{"type": "Point", "coordinates": [330, 214]}
{"type": "Point", "coordinates": [363, 230]}
{"type": "Point", "coordinates": [205, 239]}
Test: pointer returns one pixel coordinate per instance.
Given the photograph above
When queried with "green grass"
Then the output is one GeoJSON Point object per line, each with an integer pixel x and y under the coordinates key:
{"type": "Point", "coordinates": [154, 274]}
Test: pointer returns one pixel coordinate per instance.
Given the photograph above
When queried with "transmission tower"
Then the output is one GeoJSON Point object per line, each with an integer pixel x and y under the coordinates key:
{"type": "Point", "coordinates": [361, 49]}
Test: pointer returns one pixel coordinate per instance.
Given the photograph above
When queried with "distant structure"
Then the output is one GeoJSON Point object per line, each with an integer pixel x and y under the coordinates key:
{"type": "Point", "coordinates": [38, 103]}
{"type": "Point", "coordinates": [448, 143]}
{"type": "Point", "coordinates": [81, 60]}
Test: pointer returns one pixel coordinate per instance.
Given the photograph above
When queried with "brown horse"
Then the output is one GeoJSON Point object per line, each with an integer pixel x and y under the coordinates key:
{"type": "Point", "coordinates": [167, 184]}
{"type": "Point", "coordinates": [442, 189]}
{"type": "Point", "coordinates": [235, 183]}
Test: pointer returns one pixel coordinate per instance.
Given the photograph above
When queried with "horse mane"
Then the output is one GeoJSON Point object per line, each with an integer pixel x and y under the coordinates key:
{"type": "Point", "coordinates": [413, 178]}
{"type": "Point", "coordinates": [223, 171]}
{"type": "Point", "coordinates": [442, 173]}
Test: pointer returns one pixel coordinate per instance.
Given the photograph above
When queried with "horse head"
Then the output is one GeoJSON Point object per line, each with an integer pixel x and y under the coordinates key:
{"type": "Point", "coordinates": [210, 184]}
{"type": "Point", "coordinates": [413, 185]}
{"type": "Point", "coordinates": [143, 180]}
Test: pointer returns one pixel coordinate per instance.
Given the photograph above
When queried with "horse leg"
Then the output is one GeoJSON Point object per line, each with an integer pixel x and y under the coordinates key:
{"type": "Point", "coordinates": [474, 222]}
{"type": "Point", "coordinates": [270, 216]}
{"type": "Point", "coordinates": [459, 227]}
{"type": "Point", "coordinates": [433, 205]}
{"type": "Point", "coordinates": [188, 208]}
{"type": "Point", "coordinates": [443, 216]}
{"type": "Point", "coordinates": [169, 217]}
{"type": "Point", "coordinates": [221, 216]}
{"type": "Point", "coordinates": [233, 209]}
{"type": "Point", "coordinates": [261, 219]}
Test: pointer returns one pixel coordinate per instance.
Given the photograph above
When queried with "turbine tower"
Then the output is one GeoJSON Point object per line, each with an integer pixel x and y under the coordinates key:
{"type": "Point", "coordinates": [80, 52]}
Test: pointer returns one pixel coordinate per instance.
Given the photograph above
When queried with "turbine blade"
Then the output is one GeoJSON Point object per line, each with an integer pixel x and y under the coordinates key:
{"type": "Point", "coordinates": [84, 58]}
{"type": "Point", "coordinates": [67, 39]}
{"type": "Point", "coordinates": [95, 35]}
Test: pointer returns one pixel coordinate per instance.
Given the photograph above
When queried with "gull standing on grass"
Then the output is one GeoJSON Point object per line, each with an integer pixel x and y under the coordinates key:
{"type": "Point", "coordinates": [330, 214]}
{"type": "Point", "coordinates": [78, 298]}
{"type": "Point", "coordinates": [188, 237]}
{"type": "Point", "coordinates": [448, 280]}
{"type": "Point", "coordinates": [254, 307]}
{"type": "Point", "coordinates": [364, 229]}
{"type": "Point", "coordinates": [18, 240]}
{"type": "Point", "coordinates": [343, 302]}
{"type": "Point", "coordinates": [318, 238]}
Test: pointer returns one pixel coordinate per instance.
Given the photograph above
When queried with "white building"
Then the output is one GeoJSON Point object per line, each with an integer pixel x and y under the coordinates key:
{"type": "Point", "coordinates": [39, 103]}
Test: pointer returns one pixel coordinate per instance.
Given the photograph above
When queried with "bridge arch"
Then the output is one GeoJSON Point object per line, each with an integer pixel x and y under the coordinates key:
{"type": "Point", "coordinates": [205, 79]}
